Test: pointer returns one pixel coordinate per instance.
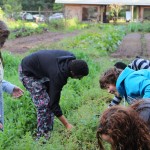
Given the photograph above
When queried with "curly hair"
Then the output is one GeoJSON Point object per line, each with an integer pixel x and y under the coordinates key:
{"type": "Point", "coordinates": [124, 126]}
{"type": "Point", "coordinates": [109, 77]}
{"type": "Point", "coordinates": [79, 67]}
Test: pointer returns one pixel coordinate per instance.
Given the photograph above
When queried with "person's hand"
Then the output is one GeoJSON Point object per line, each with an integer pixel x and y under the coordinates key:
{"type": "Point", "coordinates": [1, 126]}
{"type": "Point", "coordinates": [69, 126]}
{"type": "Point", "coordinates": [17, 92]}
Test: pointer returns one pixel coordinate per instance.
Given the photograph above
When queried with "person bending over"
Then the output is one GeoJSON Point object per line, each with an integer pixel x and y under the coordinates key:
{"type": "Point", "coordinates": [44, 73]}
{"type": "Point", "coordinates": [130, 84]}
{"type": "Point", "coordinates": [137, 64]}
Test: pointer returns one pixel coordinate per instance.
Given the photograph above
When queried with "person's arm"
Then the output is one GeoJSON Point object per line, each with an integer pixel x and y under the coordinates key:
{"type": "Point", "coordinates": [115, 101]}
{"type": "Point", "coordinates": [11, 89]}
{"type": "Point", "coordinates": [146, 91]}
{"type": "Point", "coordinates": [56, 109]}
{"type": "Point", "coordinates": [65, 122]}
{"type": "Point", "coordinates": [139, 63]}
{"type": "Point", "coordinates": [54, 93]}
{"type": "Point", "coordinates": [7, 87]}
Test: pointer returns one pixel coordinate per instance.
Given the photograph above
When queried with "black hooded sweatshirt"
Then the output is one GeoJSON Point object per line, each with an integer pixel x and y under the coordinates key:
{"type": "Point", "coordinates": [52, 64]}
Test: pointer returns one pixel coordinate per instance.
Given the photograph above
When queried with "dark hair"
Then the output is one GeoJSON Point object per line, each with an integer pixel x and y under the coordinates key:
{"type": "Point", "coordinates": [109, 77]}
{"type": "Point", "coordinates": [4, 33]}
{"type": "Point", "coordinates": [120, 65]}
{"type": "Point", "coordinates": [142, 107]}
{"type": "Point", "coordinates": [79, 67]}
{"type": "Point", "coordinates": [3, 28]}
{"type": "Point", "coordinates": [124, 126]}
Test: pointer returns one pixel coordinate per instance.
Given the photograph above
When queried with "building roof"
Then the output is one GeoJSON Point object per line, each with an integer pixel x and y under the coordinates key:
{"type": "Point", "coordinates": [105, 2]}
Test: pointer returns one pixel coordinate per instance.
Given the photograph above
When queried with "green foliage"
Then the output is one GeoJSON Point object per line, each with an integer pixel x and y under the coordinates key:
{"type": "Point", "coordinates": [74, 23]}
{"type": "Point", "coordinates": [56, 24]}
{"type": "Point", "coordinates": [114, 11]}
{"type": "Point", "coordinates": [139, 26]}
{"type": "Point", "coordinates": [1, 13]}
{"type": "Point", "coordinates": [35, 4]}
{"type": "Point", "coordinates": [97, 40]}
{"type": "Point", "coordinates": [66, 25]}
{"type": "Point", "coordinates": [81, 101]}
{"type": "Point", "coordinates": [11, 7]}
{"type": "Point", "coordinates": [57, 7]}
{"type": "Point", "coordinates": [22, 28]}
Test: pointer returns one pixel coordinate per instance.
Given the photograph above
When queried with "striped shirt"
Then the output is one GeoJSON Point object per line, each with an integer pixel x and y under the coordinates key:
{"type": "Point", "coordinates": [139, 63]}
{"type": "Point", "coordinates": [136, 64]}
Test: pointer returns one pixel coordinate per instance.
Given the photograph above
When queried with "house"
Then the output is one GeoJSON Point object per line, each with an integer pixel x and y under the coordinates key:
{"type": "Point", "coordinates": [87, 9]}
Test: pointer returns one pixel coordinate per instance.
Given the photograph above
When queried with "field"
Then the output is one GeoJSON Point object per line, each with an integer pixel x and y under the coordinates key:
{"type": "Point", "coordinates": [82, 101]}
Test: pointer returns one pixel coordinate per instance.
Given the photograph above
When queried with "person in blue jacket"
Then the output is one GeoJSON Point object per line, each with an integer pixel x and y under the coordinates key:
{"type": "Point", "coordinates": [43, 74]}
{"type": "Point", "coordinates": [137, 64]}
{"type": "Point", "coordinates": [128, 83]}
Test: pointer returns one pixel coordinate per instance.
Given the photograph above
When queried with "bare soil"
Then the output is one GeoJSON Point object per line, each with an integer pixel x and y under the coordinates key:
{"type": "Point", "coordinates": [24, 44]}
{"type": "Point", "coordinates": [133, 44]}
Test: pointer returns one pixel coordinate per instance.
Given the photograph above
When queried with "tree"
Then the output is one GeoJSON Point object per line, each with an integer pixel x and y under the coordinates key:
{"type": "Point", "coordinates": [35, 4]}
{"type": "Point", "coordinates": [114, 10]}
{"type": "Point", "coordinates": [11, 7]}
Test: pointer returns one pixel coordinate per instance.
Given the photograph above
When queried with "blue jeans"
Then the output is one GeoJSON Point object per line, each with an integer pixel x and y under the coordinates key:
{"type": "Point", "coordinates": [1, 106]}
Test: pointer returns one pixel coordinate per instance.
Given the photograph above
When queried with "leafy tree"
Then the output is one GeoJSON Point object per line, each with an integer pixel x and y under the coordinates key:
{"type": "Point", "coordinates": [1, 13]}
{"type": "Point", "coordinates": [114, 10]}
{"type": "Point", "coordinates": [35, 4]}
{"type": "Point", "coordinates": [57, 7]}
{"type": "Point", "coordinates": [11, 7]}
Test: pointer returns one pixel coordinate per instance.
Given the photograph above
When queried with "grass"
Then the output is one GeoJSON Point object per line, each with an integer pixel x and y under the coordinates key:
{"type": "Point", "coordinates": [82, 101]}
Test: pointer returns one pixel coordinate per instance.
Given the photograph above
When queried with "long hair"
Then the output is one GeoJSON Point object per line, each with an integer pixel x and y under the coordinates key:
{"type": "Point", "coordinates": [124, 126]}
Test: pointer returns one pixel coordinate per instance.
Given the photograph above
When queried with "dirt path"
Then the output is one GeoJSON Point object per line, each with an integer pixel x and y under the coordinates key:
{"type": "Point", "coordinates": [134, 44]}
{"type": "Point", "coordinates": [24, 44]}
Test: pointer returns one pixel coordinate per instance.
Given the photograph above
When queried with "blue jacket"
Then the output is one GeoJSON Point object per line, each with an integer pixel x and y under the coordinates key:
{"type": "Point", "coordinates": [7, 87]}
{"type": "Point", "coordinates": [134, 84]}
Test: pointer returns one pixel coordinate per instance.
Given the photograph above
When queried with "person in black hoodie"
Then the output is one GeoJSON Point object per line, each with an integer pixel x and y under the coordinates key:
{"type": "Point", "coordinates": [43, 74]}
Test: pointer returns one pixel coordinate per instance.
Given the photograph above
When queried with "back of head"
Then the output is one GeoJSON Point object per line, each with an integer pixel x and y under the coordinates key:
{"type": "Point", "coordinates": [143, 109]}
{"type": "Point", "coordinates": [125, 127]}
{"type": "Point", "coordinates": [3, 26]}
{"type": "Point", "coordinates": [120, 65]}
{"type": "Point", "coordinates": [79, 67]}
{"type": "Point", "coordinates": [4, 33]}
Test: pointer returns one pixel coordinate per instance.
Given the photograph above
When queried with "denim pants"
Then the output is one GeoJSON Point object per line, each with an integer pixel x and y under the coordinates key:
{"type": "Point", "coordinates": [41, 100]}
{"type": "Point", "coordinates": [1, 97]}
{"type": "Point", "coordinates": [1, 106]}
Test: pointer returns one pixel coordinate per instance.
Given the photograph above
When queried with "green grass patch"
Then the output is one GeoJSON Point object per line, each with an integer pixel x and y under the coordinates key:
{"type": "Point", "coordinates": [81, 101]}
